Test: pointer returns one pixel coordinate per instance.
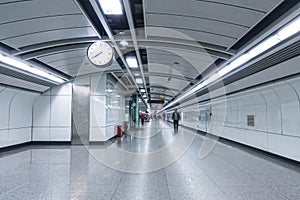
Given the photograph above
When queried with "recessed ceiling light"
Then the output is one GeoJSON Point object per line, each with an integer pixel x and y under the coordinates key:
{"type": "Point", "coordinates": [139, 81]}
{"type": "Point", "coordinates": [111, 7]}
{"type": "Point", "coordinates": [132, 62]}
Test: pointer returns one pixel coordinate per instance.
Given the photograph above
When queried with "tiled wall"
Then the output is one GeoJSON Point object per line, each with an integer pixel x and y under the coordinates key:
{"type": "Point", "coordinates": [52, 115]}
{"type": "Point", "coordinates": [276, 110]}
{"type": "Point", "coordinates": [15, 116]}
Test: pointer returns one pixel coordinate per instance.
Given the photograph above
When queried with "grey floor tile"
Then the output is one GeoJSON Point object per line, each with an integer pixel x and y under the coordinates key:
{"type": "Point", "coordinates": [250, 193]}
{"type": "Point", "coordinates": [142, 192]}
{"type": "Point", "coordinates": [154, 178]}
{"type": "Point", "coordinates": [189, 179]}
{"type": "Point", "coordinates": [197, 192]}
{"type": "Point", "coordinates": [289, 192]}
{"type": "Point", "coordinates": [85, 191]}
{"type": "Point", "coordinates": [71, 172]}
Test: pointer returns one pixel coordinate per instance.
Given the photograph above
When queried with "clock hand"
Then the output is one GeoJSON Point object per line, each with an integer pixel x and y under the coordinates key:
{"type": "Point", "coordinates": [97, 54]}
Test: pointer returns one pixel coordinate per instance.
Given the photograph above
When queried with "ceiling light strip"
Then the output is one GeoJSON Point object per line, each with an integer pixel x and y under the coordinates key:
{"type": "Point", "coordinates": [280, 35]}
{"type": "Point", "coordinates": [18, 64]}
{"type": "Point", "coordinates": [105, 25]}
{"type": "Point", "coordinates": [134, 39]}
{"type": "Point", "coordinates": [111, 7]}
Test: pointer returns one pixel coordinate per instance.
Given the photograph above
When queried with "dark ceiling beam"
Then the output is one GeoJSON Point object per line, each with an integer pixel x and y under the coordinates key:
{"type": "Point", "coordinates": [47, 51]}
{"type": "Point", "coordinates": [53, 45]}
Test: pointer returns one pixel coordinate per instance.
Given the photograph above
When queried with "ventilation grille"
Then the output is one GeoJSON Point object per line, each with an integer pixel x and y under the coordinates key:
{"type": "Point", "coordinates": [15, 74]}
{"type": "Point", "coordinates": [274, 59]}
{"type": "Point", "coordinates": [250, 120]}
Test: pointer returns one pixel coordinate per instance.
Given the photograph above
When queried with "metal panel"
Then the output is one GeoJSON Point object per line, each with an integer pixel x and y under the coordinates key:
{"type": "Point", "coordinates": [80, 115]}
{"type": "Point", "coordinates": [40, 37]}
{"type": "Point", "coordinates": [206, 9]}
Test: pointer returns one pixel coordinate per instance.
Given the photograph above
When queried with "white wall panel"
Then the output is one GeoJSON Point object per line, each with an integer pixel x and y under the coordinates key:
{"type": "Point", "coordinates": [98, 134]}
{"type": "Point", "coordinates": [60, 134]}
{"type": "Point", "coordinates": [98, 110]}
{"type": "Point", "coordinates": [289, 108]}
{"type": "Point", "coordinates": [21, 110]}
{"type": "Point", "coordinates": [295, 83]}
{"type": "Point", "coordinates": [277, 118]}
{"type": "Point", "coordinates": [60, 111]}
{"type": "Point", "coordinates": [18, 136]}
{"type": "Point", "coordinates": [285, 146]}
{"type": "Point", "coordinates": [273, 110]}
{"type": "Point", "coordinates": [41, 134]}
{"type": "Point", "coordinates": [63, 90]}
{"type": "Point", "coordinates": [5, 98]}
{"type": "Point", "coordinates": [16, 116]}
{"type": "Point", "coordinates": [52, 115]}
{"type": "Point", "coordinates": [41, 111]}
{"type": "Point", "coordinates": [3, 138]}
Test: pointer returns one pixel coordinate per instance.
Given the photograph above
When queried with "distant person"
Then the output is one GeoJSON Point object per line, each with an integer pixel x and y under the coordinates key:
{"type": "Point", "coordinates": [143, 117]}
{"type": "Point", "coordinates": [175, 118]}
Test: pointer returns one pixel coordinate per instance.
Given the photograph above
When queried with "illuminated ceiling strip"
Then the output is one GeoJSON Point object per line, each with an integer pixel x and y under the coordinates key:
{"type": "Point", "coordinates": [282, 34]}
{"type": "Point", "coordinates": [111, 7]}
{"type": "Point", "coordinates": [132, 62]}
{"type": "Point", "coordinates": [25, 67]}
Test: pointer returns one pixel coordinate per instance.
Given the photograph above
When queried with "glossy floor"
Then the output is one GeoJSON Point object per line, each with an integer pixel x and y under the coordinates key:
{"type": "Point", "coordinates": [79, 172]}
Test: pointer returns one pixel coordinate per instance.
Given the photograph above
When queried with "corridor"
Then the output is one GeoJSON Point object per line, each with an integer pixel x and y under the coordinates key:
{"type": "Point", "coordinates": [82, 172]}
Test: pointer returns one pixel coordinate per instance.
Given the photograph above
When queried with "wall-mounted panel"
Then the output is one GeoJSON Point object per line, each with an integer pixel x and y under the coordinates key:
{"type": "Point", "coordinates": [41, 111]}
{"type": "Point", "coordinates": [16, 116]}
{"type": "Point", "coordinates": [21, 109]}
{"type": "Point", "coordinates": [289, 108]}
{"type": "Point", "coordinates": [5, 97]}
{"type": "Point", "coordinates": [60, 111]}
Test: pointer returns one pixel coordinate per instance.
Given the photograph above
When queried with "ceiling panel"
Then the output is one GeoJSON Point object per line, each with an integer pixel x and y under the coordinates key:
{"type": "Point", "coordinates": [41, 37]}
{"type": "Point", "coordinates": [181, 63]}
{"type": "Point", "coordinates": [253, 4]}
{"type": "Point", "coordinates": [22, 10]}
{"type": "Point", "coordinates": [66, 62]}
{"type": "Point", "coordinates": [217, 22]}
{"type": "Point", "coordinates": [41, 25]}
{"type": "Point", "coordinates": [197, 24]}
{"type": "Point", "coordinates": [191, 35]}
{"type": "Point", "coordinates": [205, 9]}
{"type": "Point", "coordinates": [172, 84]}
{"type": "Point", "coordinates": [55, 57]}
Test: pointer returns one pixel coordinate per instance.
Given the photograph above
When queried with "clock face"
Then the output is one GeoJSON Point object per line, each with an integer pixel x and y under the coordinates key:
{"type": "Point", "coordinates": [100, 54]}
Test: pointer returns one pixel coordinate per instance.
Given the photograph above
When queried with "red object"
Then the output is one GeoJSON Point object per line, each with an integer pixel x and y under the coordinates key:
{"type": "Point", "coordinates": [119, 130]}
{"type": "Point", "coordinates": [143, 116]}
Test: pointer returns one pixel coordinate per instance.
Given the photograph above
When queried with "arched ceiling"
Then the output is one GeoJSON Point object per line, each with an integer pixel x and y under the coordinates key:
{"type": "Point", "coordinates": [176, 42]}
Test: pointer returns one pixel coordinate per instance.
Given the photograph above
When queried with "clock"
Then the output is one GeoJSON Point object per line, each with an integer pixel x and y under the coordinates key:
{"type": "Point", "coordinates": [100, 54]}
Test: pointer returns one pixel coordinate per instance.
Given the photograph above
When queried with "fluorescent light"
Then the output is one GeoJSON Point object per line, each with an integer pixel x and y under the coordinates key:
{"type": "Point", "coordinates": [25, 67]}
{"type": "Point", "coordinates": [132, 62]}
{"type": "Point", "coordinates": [111, 7]}
{"type": "Point", "coordinates": [143, 90]}
{"type": "Point", "coordinates": [139, 81]}
{"type": "Point", "coordinates": [290, 29]}
{"type": "Point", "coordinates": [263, 46]}
{"type": "Point", "coordinates": [285, 32]}
{"type": "Point", "coordinates": [144, 96]}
